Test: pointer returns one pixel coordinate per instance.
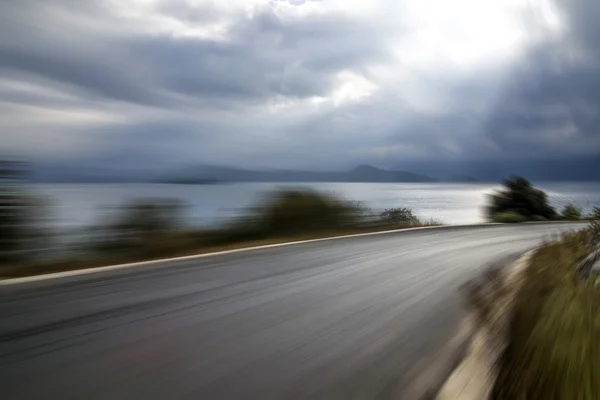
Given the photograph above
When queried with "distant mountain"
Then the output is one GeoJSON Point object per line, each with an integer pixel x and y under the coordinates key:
{"type": "Point", "coordinates": [215, 174]}
{"type": "Point", "coordinates": [582, 169]}
{"type": "Point", "coordinates": [66, 173]}
{"type": "Point", "coordinates": [368, 173]}
{"type": "Point", "coordinates": [463, 179]}
{"type": "Point", "coordinates": [187, 181]}
{"type": "Point", "coordinates": [363, 173]}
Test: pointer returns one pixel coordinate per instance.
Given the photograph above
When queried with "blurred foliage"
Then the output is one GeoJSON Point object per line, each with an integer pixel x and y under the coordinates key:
{"type": "Point", "coordinates": [288, 213]}
{"type": "Point", "coordinates": [509, 217]}
{"type": "Point", "coordinates": [153, 228]}
{"type": "Point", "coordinates": [399, 217]}
{"type": "Point", "coordinates": [594, 233]}
{"type": "Point", "coordinates": [145, 227]}
{"type": "Point", "coordinates": [571, 213]}
{"type": "Point", "coordinates": [430, 222]}
{"type": "Point", "coordinates": [305, 213]}
{"type": "Point", "coordinates": [519, 196]}
{"type": "Point", "coordinates": [553, 350]}
{"type": "Point", "coordinates": [19, 212]}
{"type": "Point", "coordinates": [299, 211]}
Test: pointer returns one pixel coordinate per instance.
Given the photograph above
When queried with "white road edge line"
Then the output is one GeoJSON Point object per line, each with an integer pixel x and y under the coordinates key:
{"type": "Point", "coordinates": [87, 271]}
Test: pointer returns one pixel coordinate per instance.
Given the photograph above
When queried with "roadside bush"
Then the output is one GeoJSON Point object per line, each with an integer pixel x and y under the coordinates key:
{"type": "Point", "coordinates": [13, 216]}
{"type": "Point", "coordinates": [143, 226]}
{"type": "Point", "coordinates": [399, 217]}
{"type": "Point", "coordinates": [290, 212]}
{"type": "Point", "coordinates": [519, 196]}
{"type": "Point", "coordinates": [153, 227]}
{"type": "Point", "coordinates": [431, 222]}
{"type": "Point", "coordinates": [509, 217]}
{"type": "Point", "coordinates": [571, 213]}
{"type": "Point", "coordinates": [301, 212]}
{"type": "Point", "coordinates": [19, 214]}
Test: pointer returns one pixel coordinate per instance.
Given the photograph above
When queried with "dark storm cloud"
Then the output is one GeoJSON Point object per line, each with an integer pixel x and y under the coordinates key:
{"type": "Point", "coordinates": [97, 77]}
{"type": "Point", "coordinates": [551, 104]}
{"type": "Point", "coordinates": [548, 106]}
{"type": "Point", "coordinates": [264, 57]}
{"type": "Point", "coordinates": [205, 69]}
{"type": "Point", "coordinates": [53, 41]}
{"type": "Point", "coordinates": [583, 23]}
{"type": "Point", "coordinates": [139, 90]}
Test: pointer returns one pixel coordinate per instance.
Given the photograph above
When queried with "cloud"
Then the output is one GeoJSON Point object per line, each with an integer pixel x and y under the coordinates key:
{"type": "Point", "coordinates": [320, 84]}
{"type": "Point", "coordinates": [550, 106]}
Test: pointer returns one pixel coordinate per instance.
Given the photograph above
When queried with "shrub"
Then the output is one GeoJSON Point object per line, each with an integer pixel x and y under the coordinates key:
{"type": "Point", "coordinates": [143, 226]}
{"type": "Point", "coordinates": [509, 217]}
{"type": "Point", "coordinates": [519, 196]}
{"type": "Point", "coordinates": [300, 211]}
{"type": "Point", "coordinates": [571, 212]}
{"type": "Point", "coordinates": [19, 213]}
{"type": "Point", "coordinates": [431, 222]}
{"type": "Point", "coordinates": [399, 217]}
{"type": "Point", "coordinates": [150, 227]}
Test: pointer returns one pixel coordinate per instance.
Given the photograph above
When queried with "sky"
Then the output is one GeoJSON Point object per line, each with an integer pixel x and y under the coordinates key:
{"type": "Point", "coordinates": [327, 84]}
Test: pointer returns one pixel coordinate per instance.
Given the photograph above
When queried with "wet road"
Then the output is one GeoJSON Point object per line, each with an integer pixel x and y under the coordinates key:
{"type": "Point", "coordinates": [346, 319]}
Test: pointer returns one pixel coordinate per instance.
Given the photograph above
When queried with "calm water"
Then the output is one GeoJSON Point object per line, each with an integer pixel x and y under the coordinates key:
{"type": "Point", "coordinates": [76, 205]}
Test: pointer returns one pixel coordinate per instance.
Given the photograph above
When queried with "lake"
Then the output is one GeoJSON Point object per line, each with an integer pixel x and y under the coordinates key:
{"type": "Point", "coordinates": [78, 205]}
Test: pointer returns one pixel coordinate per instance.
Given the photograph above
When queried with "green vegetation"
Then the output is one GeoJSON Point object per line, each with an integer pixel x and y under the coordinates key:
{"type": "Point", "coordinates": [143, 227]}
{"type": "Point", "coordinates": [553, 349]}
{"type": "Point", "coordinates": [18, 213]}
{"type": "Point", "coordinates": [509, 217]}
{"type": "Point", "coordinates": [594, 215]}
{"type": "Point", "coordinates": [399, 217]}
{"type": "Point", "coordinates": [520, 197]}
{"type": "Point", "coordinates": [519, 201]}
{"type": "Point", "coordinates": [571, 213]}
{"type": "Point", "coordinates": [154, 228]}
{"type": "Point", "coordinates": [290, 214]}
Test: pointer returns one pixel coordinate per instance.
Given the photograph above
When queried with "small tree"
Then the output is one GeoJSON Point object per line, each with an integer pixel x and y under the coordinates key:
{"type": "Point", "coordinates": [571, 212]}
{"type": "Point", "coordinates": [139, 226]}
{"type": "Point", "coordinates": [399, 217]}
{"type": "Point", "coordinates": [297, 211]}
{"type": "Point", "coordinates": [519, 196]}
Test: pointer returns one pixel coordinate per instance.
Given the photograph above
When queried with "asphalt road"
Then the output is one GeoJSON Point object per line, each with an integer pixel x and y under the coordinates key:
{"type": "Point", "coordinates": [347, 319]}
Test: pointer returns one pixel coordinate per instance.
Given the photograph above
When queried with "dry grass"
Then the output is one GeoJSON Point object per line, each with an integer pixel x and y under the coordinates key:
{"type": "Point", "coordinates": [554, 339]}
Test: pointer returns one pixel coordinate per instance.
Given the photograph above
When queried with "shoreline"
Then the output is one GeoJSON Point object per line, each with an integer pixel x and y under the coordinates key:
{"type": "Point", "coordinates": [19, 274]}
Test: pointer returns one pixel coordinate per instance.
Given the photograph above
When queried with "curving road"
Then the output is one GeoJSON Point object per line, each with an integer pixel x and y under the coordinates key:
{"type": "Point", "coordinates": [348, 318]}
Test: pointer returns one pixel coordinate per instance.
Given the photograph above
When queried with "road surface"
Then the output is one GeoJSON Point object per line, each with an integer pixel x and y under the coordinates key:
{"type": "Point", "coordinates": [341, 319]}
